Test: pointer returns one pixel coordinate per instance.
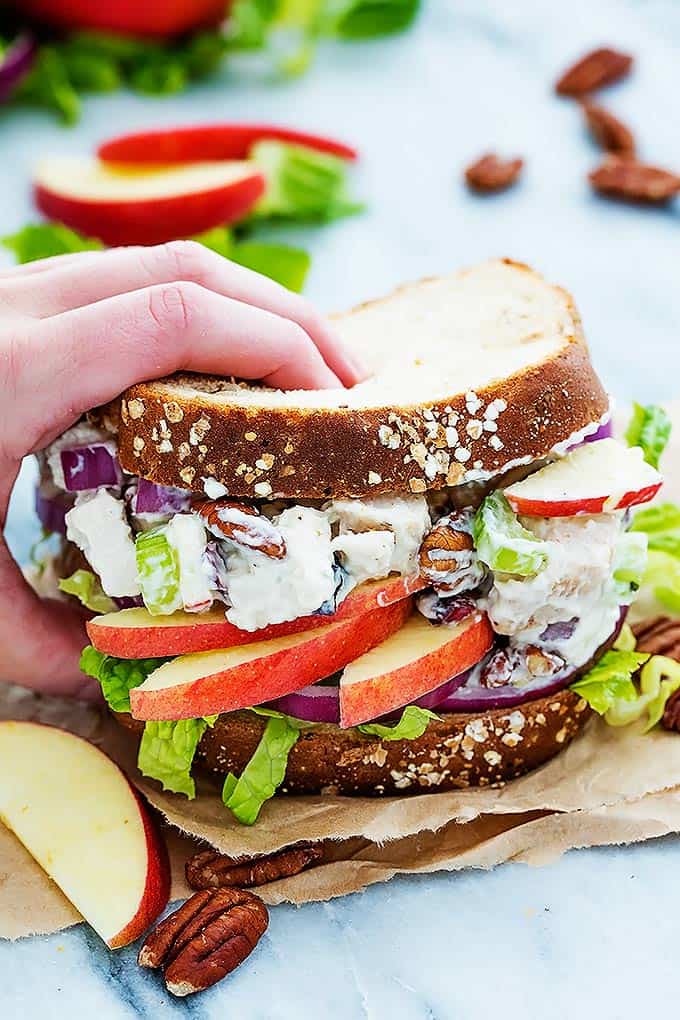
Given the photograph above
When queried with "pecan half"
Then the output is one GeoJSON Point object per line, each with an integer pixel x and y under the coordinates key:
{"type": "Point", "coordinates": [607, 130]}
{"type": "Point", "coordinates": [213, 870]}
{"type": "Point", "coordinates": [659, 636]}
{"type": "Point", "coordinates": [623, 178]}
{"type": "Point", "coordinates": [205, 939]}
{"type": "Point", "coordinates": [444, 538]}
{"type": "Point", "coordinates": [489, 173]}
{"type": "Point", "coordinates": [243, 524]}
{"type": "Point", "coordinates": [596, 69]}
{"type": "Point", "coordinates": [671, 715]}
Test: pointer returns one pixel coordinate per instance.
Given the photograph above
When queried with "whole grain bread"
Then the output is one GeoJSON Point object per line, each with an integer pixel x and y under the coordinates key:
{"type": "Point", "coordinates": [460, 750]}
{"type": "Point", "coordinates": [473, 372]}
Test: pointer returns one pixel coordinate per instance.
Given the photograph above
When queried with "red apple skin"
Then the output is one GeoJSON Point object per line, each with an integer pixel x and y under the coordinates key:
{"type": "Point", "coordinates": [157, 888]}
{"type": "Point", "coordinates": [200, 634]}
{"type": "Point", "coordinates": [370, 699]}
{"type": "Point", "coordinates": [149, 18]}
{"type": "Point", "coordinates": [209, 142]}
{"type": "Point", "coordinates": [573, 507]}
{"type": "Point", "coordinates": [152, 221]}
{"type": "Point", "coordinates": [274, 675]}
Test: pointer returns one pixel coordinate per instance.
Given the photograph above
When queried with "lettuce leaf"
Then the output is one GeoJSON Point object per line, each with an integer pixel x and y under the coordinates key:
{"type": "Point", "coordinates": [412, 724]}
{"type": "Point", "coordinates": [117, 676]}
{"type": "Point", "coordinates": [501, 541]}
{"type": "Point", "coordinates": [661, 524]}
{"type": "Point", "coordinates": [287, 266]}
{"type": "Point", "coordinates": [265, 771]}
{"type": "Point", "coordinates": [167, 749]}
{"type": "Point", "coordinates": [663, 577]}
{"type": "Point", "coordinates": [302, 184]}
{"type": "Point", "coordinates": [86, 586]}
{"type": "Point", "coordinates": [368, 19]}
{"type": "Point", "coordinates": [610, 681]}
{"type": "Point", "coordinates": [42, 240]}
{"type": "Point", "coordinates": [649, 429]}
{"type": "Point", "coordinates": [158, 571]}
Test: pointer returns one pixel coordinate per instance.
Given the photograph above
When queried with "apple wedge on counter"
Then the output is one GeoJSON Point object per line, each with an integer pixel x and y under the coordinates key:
{"type": "Point", "coordinates": [78, 816]}
{"type": "Point", "coordinates": [207, 683]}
{"type": "Point", "coordinates": [136, 634]}
{"type": "Point", "coordinates": [133, 204]}
{"type": "Point", "coordinates": [595, 477]}
{"type": "Point", "coordinates": [414, 661]}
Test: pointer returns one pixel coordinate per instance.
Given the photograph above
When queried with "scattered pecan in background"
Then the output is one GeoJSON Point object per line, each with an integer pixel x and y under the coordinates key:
{"type": "Point", "coordinates": [213, 870]}
{"type": "Point", "coordinates": [607, 130]}
{"type": "Point", "coordinates": [205, 939]}
{"type": "Point", "coordinates": [596, 69]}
{"type": "Point", "coordinates": [659, 635]}
{"type": "Point", "coordinates": [489, 173]}
{"type": "Point", "coordinates": [622, 177]}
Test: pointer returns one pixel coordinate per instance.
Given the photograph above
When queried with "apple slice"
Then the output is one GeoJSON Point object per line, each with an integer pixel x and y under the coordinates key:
{"type": "Point", "coordinates": [76, 813]}
{"type": "Point", "coordinates": [149, 18]}
{"type": "Point", "coordinates": [208, 683]}
{"type": "Point", "coordinates": [136, 634]}
{"type": "Point", "coordinates": [596, 477]}
{"type": "Point", "coordinates": [128, 204]}
{"type": "Point", "coordinates": [412, 662]}
{"type": "Point", "coordinates": [209, 141]}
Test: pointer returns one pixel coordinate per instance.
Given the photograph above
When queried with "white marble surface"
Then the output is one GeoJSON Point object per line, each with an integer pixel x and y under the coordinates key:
{"type": "Point", "coordinates": [590, 936]}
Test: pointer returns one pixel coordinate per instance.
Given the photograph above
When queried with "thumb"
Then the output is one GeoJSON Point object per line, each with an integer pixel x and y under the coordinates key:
{"type": "Point", "coordinates": [40, 639]}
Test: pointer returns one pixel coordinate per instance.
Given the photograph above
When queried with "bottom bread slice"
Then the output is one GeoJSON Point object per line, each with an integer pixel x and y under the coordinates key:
{"type": "Point", "coordinates": [459, 750]}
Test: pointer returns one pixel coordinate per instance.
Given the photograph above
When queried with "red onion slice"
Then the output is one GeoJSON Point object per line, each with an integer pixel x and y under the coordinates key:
{"type": "Point", "coordinates": [314, 703]}
{"type": "Point", "coordinates": [51, 511]}
{"type": "Point", "coordinates": [16, 63]}
{"type": "Point", "coordinates": [89, 467]}
{"type": "Point", "coordinates": [159, 499]}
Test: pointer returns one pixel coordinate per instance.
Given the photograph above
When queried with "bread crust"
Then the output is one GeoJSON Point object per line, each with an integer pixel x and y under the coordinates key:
{"type": "Point", "coordinates": [460, 750]}
{"type": "Point", "coordinates": [262, 451]}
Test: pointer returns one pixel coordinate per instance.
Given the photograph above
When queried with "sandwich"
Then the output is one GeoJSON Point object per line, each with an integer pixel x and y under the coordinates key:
{"type": "Point", "coordinates": [395, 589]}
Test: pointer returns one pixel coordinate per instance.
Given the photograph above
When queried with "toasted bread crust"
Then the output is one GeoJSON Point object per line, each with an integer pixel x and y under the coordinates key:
{"type": "Point", "coordinates": [258, 452]}
{"type": "Point", "coordinates": [461, 750]}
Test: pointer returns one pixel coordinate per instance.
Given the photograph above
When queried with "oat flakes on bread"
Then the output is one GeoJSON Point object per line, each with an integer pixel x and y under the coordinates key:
{"type": "Point", "coordinates": [459, 750]}
{"type": "Point", "coordinates": [473, 372]}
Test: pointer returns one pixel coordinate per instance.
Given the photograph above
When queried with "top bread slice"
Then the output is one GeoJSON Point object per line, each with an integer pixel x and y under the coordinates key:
{"type": "Point", "coordinates": [473, 373]}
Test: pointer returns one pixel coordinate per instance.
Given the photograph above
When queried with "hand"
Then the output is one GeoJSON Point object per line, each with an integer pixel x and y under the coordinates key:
{"type": "Point", "coordinates": [75, 331]}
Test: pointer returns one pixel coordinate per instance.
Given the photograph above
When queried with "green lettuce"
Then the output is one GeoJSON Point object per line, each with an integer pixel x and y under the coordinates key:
{"type": "Point", "coordinates": [167, 749]}
{"type": "Point", "coordinates": [302, 184]}
{"type": "Point", "coordinates": [42, 240]}
{"type": "Point", "coordinates": [86, 586]}
{"type": "Point", "coordinates": [287, 266]}
{"type": "Point", "coordinates": [117, 676]}
{"type": "Point", "coordinates": [501, 541]}
{"type": "Point", "coordinates": [265, 771]}
{"type": "Point", "coordinates": [663, 577]}
{"type": "Point", "coordinates": [649, 428]}
{"type": "Point", "coordinates": [412, 724]}
{"type": "Point", "coordinates": [661, 525]}
{"type": "Point", "coordinates": [610, 681]}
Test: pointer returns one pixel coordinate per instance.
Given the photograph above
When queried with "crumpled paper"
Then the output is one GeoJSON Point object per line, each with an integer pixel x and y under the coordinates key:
{"type": "Point", "coordinates": [608, 787]}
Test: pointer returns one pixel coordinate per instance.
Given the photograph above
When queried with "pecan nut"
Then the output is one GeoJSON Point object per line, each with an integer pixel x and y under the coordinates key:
{"type": "Point", "coordinates": [623, 178]}
{"type": "Point", "coordinates": [671, 715]}
{"type": "Point", "coordinates": [439, 548]}
{"type": "Point", "coordinates": [213, 870]}
{"type": "Point", "coordinates": [596, 69]}
{"type": "Point", "coordinates": [607, 130]}
{"type": "Point", "coordinates": [205, 939]}
{"type": "Point", "coordinates": [242, 524]}
{"type": "Point", "coordinates": [489, 173]}
{"type": "Point", "coordinates": [659, 635]}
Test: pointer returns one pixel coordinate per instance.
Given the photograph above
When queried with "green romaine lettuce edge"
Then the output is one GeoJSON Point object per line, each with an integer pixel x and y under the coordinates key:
{"type": "Point", "coordinates": [86, 586]}
{"type": "Point", "coordinates": [501, 541]}
{"type": "Point", "coordinates": [412, 724]}
{"type": "Point", "coordinates": [167, 749]}
{"type": "Point", "coordinates": [649, 428]}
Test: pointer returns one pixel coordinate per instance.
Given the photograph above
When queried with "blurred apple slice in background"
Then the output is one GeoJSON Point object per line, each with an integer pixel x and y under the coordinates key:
{"type": "Point", "coordinates": [131, 204]}
{"type": "Point", "coordinates": [412, 662]}
{"type": "Point", "coordinates": [82, 821]}
{"type": "Point", "coordinates": [152, 18]}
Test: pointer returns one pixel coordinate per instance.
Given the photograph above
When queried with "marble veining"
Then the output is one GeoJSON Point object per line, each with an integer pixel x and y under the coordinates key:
{"type": "Point", "coordinates": [589, 936]}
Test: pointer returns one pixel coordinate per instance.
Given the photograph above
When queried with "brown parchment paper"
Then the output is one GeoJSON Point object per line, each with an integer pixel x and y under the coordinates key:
{"type": "Point", "coordinates": [608, 787]}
